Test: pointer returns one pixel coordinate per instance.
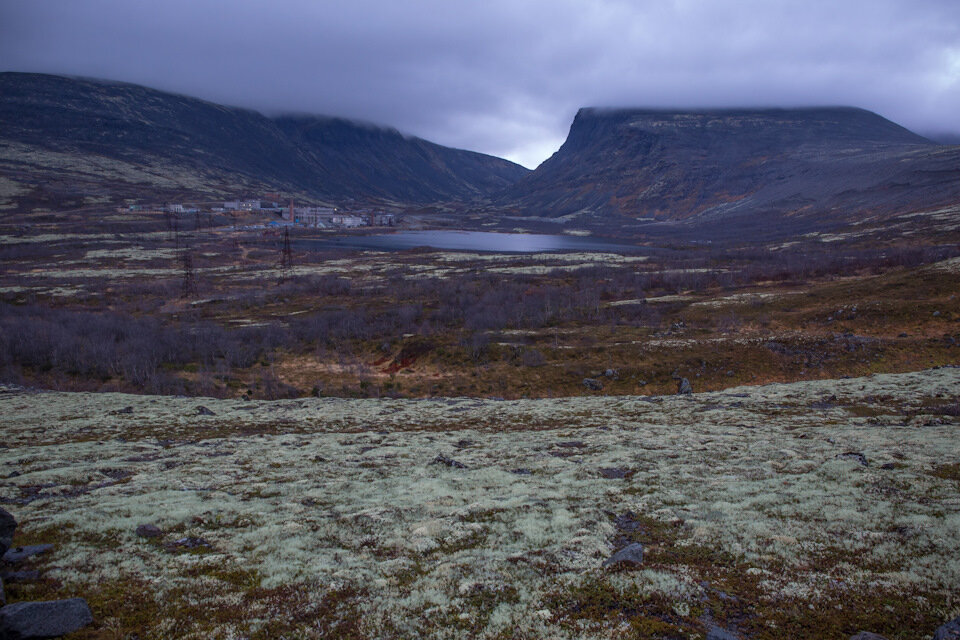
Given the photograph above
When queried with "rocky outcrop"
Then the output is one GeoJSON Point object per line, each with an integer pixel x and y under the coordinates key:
{"type": "Point", "coordinates": [949, 631]}
{"type": "Point", "coordinates": [630, 555]}
{"type": "Point", "coordinates": [48, 619]}
{"type": "Point", "coordinates": [8, 525]}
{"type": "Point", "coordinates": [34, 620]}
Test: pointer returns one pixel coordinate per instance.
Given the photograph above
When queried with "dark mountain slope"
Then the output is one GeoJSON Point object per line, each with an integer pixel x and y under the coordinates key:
{"type": "Point", "coordinates": [382, 162]}
{"type": "Point", "coordinates": [727, 163]}
{"type": "Point", "coordinates": [100, 138]}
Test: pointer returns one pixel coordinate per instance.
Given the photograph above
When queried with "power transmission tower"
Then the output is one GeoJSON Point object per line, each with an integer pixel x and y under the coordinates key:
{"type": "Point", "coordinates": [189, 280]}
{"type": "Point", "coordinates": [286, 256]}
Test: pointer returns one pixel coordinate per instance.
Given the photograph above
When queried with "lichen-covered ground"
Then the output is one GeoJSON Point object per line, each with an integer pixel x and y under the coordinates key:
{"type": "Point", "coordinates": [329, 518]}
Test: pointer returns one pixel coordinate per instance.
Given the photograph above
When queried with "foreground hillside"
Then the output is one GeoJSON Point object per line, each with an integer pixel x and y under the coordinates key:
{"type": "Point", "coordinates": [73, 142]}
{"type": "Point", "coordinates": [738, 172]}
{"type": "Point", "coordinates": [806, 510]}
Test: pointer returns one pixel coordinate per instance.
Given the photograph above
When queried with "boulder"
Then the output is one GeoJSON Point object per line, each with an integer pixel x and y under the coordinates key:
{"type": "Point", "coordinates": [866, 635]}
{"type": "Point", "coordinates": [949, 631]}
{"type": "Point", "coordinates": [19, 554]}
{"type": "Point", "coordinates": [632, 554]}
{"type": "Point", "coordinates": [203, 411]}
{"type": "Point", "coordinates": [615, 473]}
{"type": "Point", "coordinates": [683, 387]}
{"type": "Point", "coordinates": [49, 619]}
{"type": "Point", "coordinates": [8, 525]}
{"type": "Point", "coordinates": [716, 632]}
{"type": "Point", "coordinates": [24, 575]}
{"type": "Point", "coordinates": [855, 456]}
{"type": "Point", "coordinates": [449, 462]}
{"type": "Point", "coordinates": [149, 531]}
{"type": "Point", "coordinates": [593, 384]}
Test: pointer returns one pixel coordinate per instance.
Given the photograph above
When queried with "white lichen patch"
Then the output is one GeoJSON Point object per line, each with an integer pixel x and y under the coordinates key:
{"type": "Point", "coordinates": [134, 253]}
{"type": "Point", "coordinates": [331, 492]}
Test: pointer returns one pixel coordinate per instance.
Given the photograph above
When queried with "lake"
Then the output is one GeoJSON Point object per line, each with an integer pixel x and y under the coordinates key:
{"type": "Point", "coordinates": [468, 241]}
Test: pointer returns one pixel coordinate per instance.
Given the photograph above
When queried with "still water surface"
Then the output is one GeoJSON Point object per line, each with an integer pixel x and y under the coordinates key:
{"type": "Point", "coordinates": [468, 241]}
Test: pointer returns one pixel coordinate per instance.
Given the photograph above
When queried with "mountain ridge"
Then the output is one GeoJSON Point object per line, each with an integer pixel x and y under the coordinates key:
{"type": "Point", "coordinates": [676, 165]}
{"type": "Point", "coordinates": [197, 147]}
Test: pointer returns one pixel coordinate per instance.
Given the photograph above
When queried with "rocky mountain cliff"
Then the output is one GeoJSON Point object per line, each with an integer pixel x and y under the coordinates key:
{"type": "Point", "coordinates": [69, 141]}
{"type": "Point", "coordinates": [710, 165]}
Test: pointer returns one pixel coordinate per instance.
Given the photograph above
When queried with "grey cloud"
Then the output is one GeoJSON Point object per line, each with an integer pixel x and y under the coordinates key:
{"type": "Point", "coordinates": [506, 77]}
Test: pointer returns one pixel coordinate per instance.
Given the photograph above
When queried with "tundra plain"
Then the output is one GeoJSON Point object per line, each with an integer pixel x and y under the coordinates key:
{"type": "Point", "coordinates": [811, 509]}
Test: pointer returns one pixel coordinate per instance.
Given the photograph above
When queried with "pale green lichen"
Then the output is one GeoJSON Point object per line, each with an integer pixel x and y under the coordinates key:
{"type": "Point", "coordinates": [333, 492]}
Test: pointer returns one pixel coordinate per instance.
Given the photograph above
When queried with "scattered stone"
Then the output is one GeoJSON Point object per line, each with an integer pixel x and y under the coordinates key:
{"type": "Point", "coordinates": [641, 383]}
{"type": "Point", "coordinates": [888, 466]}
{"type": "Point", "coordinates": [8, 524]}
{"type": "Point", "coordinates": [19, 554]}
{"type": "Point", "coordinates": [684, 388]}
{"type": "Point", "coordinates": [593, 384]}
{"type": "Point", "coordinates": [612, 373]}
{"type": "Point", "coordinates": [856, 456]}
{"type": "Point", "coordinates": [49, 619]}
{"type": "Point", "coordinates": [615, 473]}
{"type": "Point", "coordinates": [203, 411]}
{"type": "Point", "coordinates": [450, 462]}
{"type": "Point", "coordinates": [949, 631]}
{"type": "Point", "coordinates": [716, 632]}
{"type": "Point", "coordinates": [903, 335]}
{"type": "Point", "coordinates": [632, 554]}
{"type": "Point", "coordinates": [24, 575]}
{"type": "Point", "coordinates": [866, 635]}
{"type": "Point", "coordinates": [124, 411]}
{"type": "Point", "coordinates": [522, 472]}
{"type": "Point", "coordinates": [190, 542]}
{"type": "Point", "coordinates": [149, 531]}
{"type": "Point", "coordinates": [936, 314]}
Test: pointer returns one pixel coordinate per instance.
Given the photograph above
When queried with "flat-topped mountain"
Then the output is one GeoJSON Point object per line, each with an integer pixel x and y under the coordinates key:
{"type": "Point", "coordinates": [676, 165]}
{"type": "Point", "coordinates": [65, 139]}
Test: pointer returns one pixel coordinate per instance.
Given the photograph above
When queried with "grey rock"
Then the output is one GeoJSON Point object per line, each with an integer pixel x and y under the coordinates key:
{"type": "Point", "coordinates": [19, 554]}
{"type": "Point", "coordinates": [24, 575]}
{"type": "Point", "coordinates": [8, 525]}
{"type": "Point", "coordinates": [949, 631]}
{"type": "Point", "coordinates": [856, 456]}
{"type": "Point", "coordinates": [716, 632]}
{"type": "Point", "coordinates": [449, 462]}
{"type": "Point", "coordinates": [189, 542]}
{"type": "Point", "coordinates": [632, 554]}
{"type": "Point", "coordinates": [149, 531]}
{"type": "Point", "coordinates": [612, 373]}
{"type": "Point", "coordinates": [593, 384]}
{"type": "Point", "coordinates": [684, 388]}
{"type": "Point", "coordinates": [203, 411]}
{"type": "Point", "coordinates": [867, 635]}
{"type": "Point", "coordinates": [615, 473]}
{"type": "Point", "coordinates": [49, 619]}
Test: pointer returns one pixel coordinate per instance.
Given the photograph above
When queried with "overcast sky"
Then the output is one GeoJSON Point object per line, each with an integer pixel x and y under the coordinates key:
{"type": "Point", "coordinates": [506, 76]}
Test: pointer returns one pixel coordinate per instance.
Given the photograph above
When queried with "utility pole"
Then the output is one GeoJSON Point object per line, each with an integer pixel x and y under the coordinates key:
{"type": "Point", "coordinates": [286, 256]}
{"type": "Point", "coordinates": [189, 281]}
